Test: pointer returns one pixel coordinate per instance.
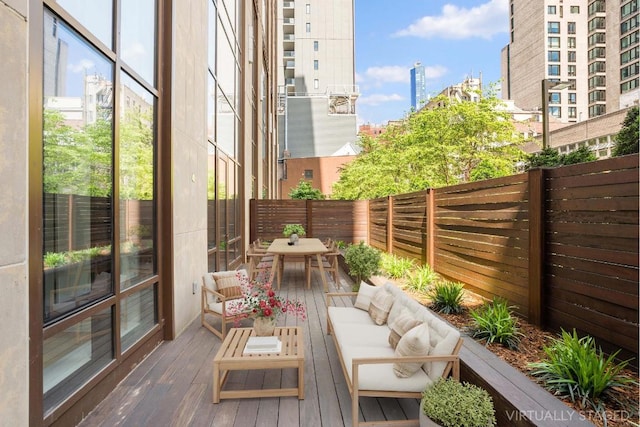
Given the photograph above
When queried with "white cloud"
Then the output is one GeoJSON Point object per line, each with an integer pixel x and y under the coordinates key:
{"type": "Point", "coordinates": [378, 98]}
{"type": "Point", "coordinates": [80, 67]}
{"type": "Point", "coordinates": [455, 22]}
{"type": "Point", "coordinates": [435, 72]}
{"type": "Point", "coordinates": [388, 74]}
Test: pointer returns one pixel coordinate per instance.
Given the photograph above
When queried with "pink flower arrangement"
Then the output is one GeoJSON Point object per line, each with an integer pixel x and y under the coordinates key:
{"type": "Point", "coordinates": [260, 300]}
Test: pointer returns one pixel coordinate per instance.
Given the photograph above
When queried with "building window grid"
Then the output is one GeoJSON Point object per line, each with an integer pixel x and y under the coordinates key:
{"type": "Point", "coordinates": [553, 56]}
{"type": "Point", "coordinates": [571, 27]}
{"type": "Point", "coordinates": [553, 42]}
{"type": "Point", "coordinates": [628, 9]}
{"type": "Point", "coordinates": [629, 24]}
{"type": "Point", "coordinates": [571, 56]}
{"type": "Point", "coordinates": [629, 39]}
{"type": "Point", "coordinates": [629, 55]}
{"type": "Point", "coordinates": [551, 10]}
{"type": "Point", "coordinates": [574, 10]}
{"type": "Point", "coordinates": [571, 42]}
{"type": "Point", "coordinates": [553, 27]}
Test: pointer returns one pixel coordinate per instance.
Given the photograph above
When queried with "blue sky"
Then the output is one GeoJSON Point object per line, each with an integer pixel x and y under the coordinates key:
{"type": "Point", "coordinates": [453, 39]}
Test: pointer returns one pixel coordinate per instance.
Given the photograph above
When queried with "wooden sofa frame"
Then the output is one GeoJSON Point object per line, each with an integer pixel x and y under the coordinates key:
{"type": "Point", "coordinates": [453, 368]}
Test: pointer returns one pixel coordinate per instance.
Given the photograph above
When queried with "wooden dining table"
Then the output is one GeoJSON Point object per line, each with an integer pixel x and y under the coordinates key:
{"type": "Point", "coordinates": [306, 247]}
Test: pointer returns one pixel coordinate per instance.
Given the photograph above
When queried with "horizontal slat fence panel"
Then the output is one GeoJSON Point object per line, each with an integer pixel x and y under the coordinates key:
{"type": "Point", "coordinates": [340, 220]}
{"type": "Point", "coordinates": [482, 237]}
{"type": "Point", "coordinates": [409, 227]}
{"type": "Point", "coordinates": [592, 251]}
{"type": "Point", "coordinates": [378, 219]}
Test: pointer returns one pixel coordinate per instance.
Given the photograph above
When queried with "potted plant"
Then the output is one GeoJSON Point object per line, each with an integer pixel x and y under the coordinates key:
{"type": "Point", "coordinates": [293, 232]}
{"type": "Point", "coordinates": [363, 262]}
{"type": "Point", "coordinates": [451, 403]}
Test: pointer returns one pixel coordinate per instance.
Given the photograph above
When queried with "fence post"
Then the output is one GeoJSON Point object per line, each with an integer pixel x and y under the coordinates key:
{"type": "Point", "coordinates": [389, 224]}
{"type": "Point", "coordinates": [309, 219]}
{"type": "Point", "coordinates": [536, 245]}
{"type": "Point", "coordinates": [430, 228]}
{"type": "Point", "coordinates": [253, 219]}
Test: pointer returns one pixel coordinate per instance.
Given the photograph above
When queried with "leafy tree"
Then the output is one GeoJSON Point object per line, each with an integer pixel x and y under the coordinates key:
{"type": "Point", "coordinates": [434, 148]}
{"type": "Point", "coordinates": [581, 155]}
{"type": "Point", "coordinates": [548, 157]}
{"type": "Point", "coordinates": [304, 191]}
{"type": "Point", "coordinates": [628, 137]}
{"type": "Point", "coordinates": [491, 168]}
{"type": "Point", "coordinates": [136, 156]}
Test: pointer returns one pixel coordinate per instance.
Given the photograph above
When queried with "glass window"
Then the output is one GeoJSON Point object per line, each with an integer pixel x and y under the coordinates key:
{"type": "Point", "coordinates": [315, 64]}
{"type": "Point", "coordinates": [629, 39]}
{"type": "Point", "coordinates": [138, 35]}
{"type": "Point", "coordinates": [316, 84]}
{"type": "Point", "coordinates": [555, 98]}
{"type": "Point", "coordinates": [73, 356]}
{"type": "Point", "coordinates": [571, 27]}
{"type": "Point", "coordinates": [571, 56]}
{"type": "Point", "coordinates": [308, 173]}
{"type": "Point", "coordinates": [553, 56]}
{"type": "Point", "coordinates": [571, 42]}
{"type": "Point", "coordinates": [225, 63]}
{"type": "Point", "coordinates": [307, 8]}
{"type": "Point", "coordinates": [308, 27]}
{"type": "Point", "coordinates": [96, 16]}
{"type": "Point", "coordinates": [211, 197]}
{"type": "Point", "coordinates": [77, 171]}
{"type": "Point", "coordinates": [553, 27]}
{"type": "Point", "coordinates": [572, 98]}
{"type": "Point", "coordinates": [628, 9]}
{"type": "Point", "coordinates": [575, 9]}
{"type": "Point", "coordinates": [137, 206]}
{"type": "Point", "coordinates": [551, 10]}
{"type": "Point", "coordinates": [315, 45]}
{"type": "Point", "coordinates": [554, 70]}
{"type": "Point", "coordinates": [555, 111]}
{"type": "Point", "coordinates": [225, 120]}
{"type": "Point", "coordinates": [572, 112]}
{"type": "Point", "coordinates": [553, 42]}
{"type": "Point", "coordinates": [137, 316]}
{"type": "Point", "coordinates": [571, 70]}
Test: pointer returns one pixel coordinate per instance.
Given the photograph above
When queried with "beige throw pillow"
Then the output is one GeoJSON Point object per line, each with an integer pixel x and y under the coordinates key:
{"type": "Point", "coordinates": [380, 306]}
{"type": "Point", "coordinates": [404, 322]}
{"type": "Point", "coordinates": [228, 284]}
{"type": "Point", "coordinates": [365, 293]}
{"type": "Point", "coordinates": [413, 343]}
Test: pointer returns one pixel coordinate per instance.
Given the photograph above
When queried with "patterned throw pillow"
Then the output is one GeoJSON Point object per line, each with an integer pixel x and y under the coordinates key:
{"type": "Point", "coordinates": [228, 284]}
{"type": "Point", "coordinates": [413, 343]}
{"type": "Point", "coordinates": [403, 323]}
{"type": "Point", "coordinates": [365, 292]}
{"type": "Point", "coordinates": [380, 306]}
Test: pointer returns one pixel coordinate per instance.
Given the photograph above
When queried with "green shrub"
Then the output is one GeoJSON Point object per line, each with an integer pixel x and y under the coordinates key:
{"type": "Point", "coordinates": [394, 266]}
{"type": "Point", "coordinates": [446, 297]}
{"type": "Point", "coordinates": [363, 261]}
{"type": "Point", "coordinates": [54, 259]}
{"type": "Point", "coordinates": [451, 403]}
{"type": "Point", "coordinates": [575, 369]}
{"type": "Point", "coordinates": [421, 278]}
{"type": "Point", "coordinates": [494, 322]}
{"type": "Point", "coordinates": [289, 229]}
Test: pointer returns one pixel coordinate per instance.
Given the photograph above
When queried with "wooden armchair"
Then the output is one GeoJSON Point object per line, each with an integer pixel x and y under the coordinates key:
{"type": "Point", "coordinates": [221, 298]}
{"type": "Point", "coordinates": [329, 263]}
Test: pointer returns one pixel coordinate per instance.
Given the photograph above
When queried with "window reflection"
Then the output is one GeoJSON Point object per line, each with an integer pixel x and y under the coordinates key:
{"type": "Point", "coordinates": [137, 217]}
{"type": "Point", "coordinates": [75, 355]}
{"type": "Point", "coordinates": [96, 16]}
{"type": "Point", "coordinates": [137, 316]}
{"type": "Point", "coordinates": [77, 171]}
{"type": "Point", "coordinates": [225, 118]}
{"type": "Point", "coordinates": [138, 36]}
{"type": "Point", "coordinates": [211, 197]}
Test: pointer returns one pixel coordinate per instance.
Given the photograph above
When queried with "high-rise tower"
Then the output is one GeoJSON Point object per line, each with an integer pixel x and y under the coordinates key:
{"type": "Point", "coordinates": [418, 86]}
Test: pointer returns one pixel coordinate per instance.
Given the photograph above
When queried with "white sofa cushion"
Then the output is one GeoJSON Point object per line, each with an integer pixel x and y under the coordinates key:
{"type": "Point", "coordinates": [400, 325]}
{"type": "Point", "coordinates": [381, 376]}
{"type": "Point", "coordinates": [365, 293]}
{"type": "Point", "coordinates": [342, 315]}
{"type": "Point", "coordinates": [361, 334]}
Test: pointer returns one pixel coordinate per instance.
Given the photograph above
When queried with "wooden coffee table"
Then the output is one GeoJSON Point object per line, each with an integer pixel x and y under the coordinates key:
{"type": "Point", "coordinates": [230, 358]}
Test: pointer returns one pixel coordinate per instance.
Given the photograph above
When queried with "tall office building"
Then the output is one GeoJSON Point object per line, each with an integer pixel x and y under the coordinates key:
{"type": "Point", "coordinates": [316, 77]}
{"type": "Point", "coordinates": [418, 86]}
{"type": "Point", "coordinates": [590, 45]}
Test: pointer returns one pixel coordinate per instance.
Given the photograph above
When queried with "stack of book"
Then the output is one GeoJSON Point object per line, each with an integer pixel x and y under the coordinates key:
{"type": "Point", "coordinates": [262, 345]}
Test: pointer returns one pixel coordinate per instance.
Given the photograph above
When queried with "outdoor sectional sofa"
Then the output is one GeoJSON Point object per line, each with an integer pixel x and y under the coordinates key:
{"type": "Point", "coordinates": [364, 335]}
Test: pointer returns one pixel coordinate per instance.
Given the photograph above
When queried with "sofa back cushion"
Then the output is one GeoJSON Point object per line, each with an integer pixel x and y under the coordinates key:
{"type": "Point", "coordinates": [365, 293]}
{"type": "Point", "coordinates": [413, 343]}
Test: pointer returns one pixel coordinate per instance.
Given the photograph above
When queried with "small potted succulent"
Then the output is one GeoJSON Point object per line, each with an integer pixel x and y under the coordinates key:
{"type": "Point", "coordinates": [293, 232]}
{"type": "Point", "coordinates": [451, 403]}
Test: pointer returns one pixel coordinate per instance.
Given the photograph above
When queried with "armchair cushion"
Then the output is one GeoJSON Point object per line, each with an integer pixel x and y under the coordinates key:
{"type": "Point", "coordinates": [229, 283]}
{"type": "Point", "coordinates": [413, 343]}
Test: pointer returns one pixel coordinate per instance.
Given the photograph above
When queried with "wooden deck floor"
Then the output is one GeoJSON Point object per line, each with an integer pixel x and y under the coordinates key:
{"type": "Point", "coordinates": [173, 386]}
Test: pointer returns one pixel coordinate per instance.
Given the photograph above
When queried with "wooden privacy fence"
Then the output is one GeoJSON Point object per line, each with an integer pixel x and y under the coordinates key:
{"type": "Point", "coordinates": [344, 220]}
{"type": "Point", "coordinates": [559, 244]}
